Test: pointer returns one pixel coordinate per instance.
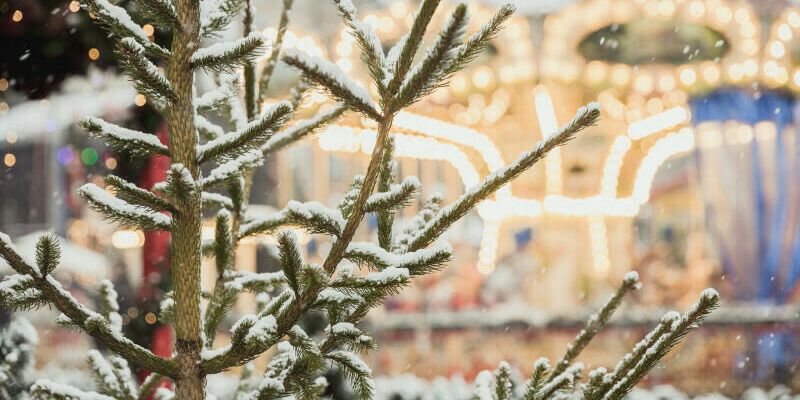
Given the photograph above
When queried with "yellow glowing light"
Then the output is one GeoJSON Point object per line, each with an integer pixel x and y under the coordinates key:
{"type": "Point", "coordinates": [127, 239]}
{"type": "Point", "coordinates": [111, 163]}
{"type": "Point", "coordinates": [620, 74]}
{"type": "Point", "coordinates": [148, 29]}
{"type": "Point", "coordinates": [697, 9]}
{"type": "Point", "coordinates": [784, 32]}
{"type": "Point", "coordinates": [17, 16]}
{"type": "Point", "coordinates": [643, 84]}
{"type": "Point", "coordinates": [74, 6]}
{"type": "Point", "coordinates": [688, 76]}
{"type": "Point", "coordinates": [657, 123]}
{"type": "Point", "coordinates": [711, 73]}
{"type": "Point", "coordinates": [3, 84]}
{"type": "Point", "coordinates": [11, 137]}
{"type": "Point", "coordinates": [776, 49]}
{"type": "Point", "coordinates": [398, 9]}
{"type": "Point", "coordinates": [482, 77]}
{"type": "Point", "coordinates": [9, 159]}
{"type": "Point", "coordinates": [94, 54]}
{"type": "Point", "coordinates": [793, 18]}
{"type": "Point", "coordinates": [140, 100]}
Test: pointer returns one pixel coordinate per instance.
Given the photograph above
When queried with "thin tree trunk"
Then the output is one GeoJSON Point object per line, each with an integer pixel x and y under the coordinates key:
{"type": "Point", "coordinates": [185, 252]}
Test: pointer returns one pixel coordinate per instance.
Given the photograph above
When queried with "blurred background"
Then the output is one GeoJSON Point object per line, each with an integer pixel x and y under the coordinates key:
{"type": "Point", "coordinates": [692, 178]}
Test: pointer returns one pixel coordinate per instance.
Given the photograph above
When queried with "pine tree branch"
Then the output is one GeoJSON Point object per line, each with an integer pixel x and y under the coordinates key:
{"type": "Point", "coordinates": [119, 23]}
{"type": "Point", "coordinates": [411, 44]}
{"type": "Point", "coordinates": [331, 78]}
{"type": "Point", "coordinates": [429, 74]}
{"type": "Point", "coordinates": [301, 130]}
{"type": "Point", "coordinates": [371, 50]}
{"type": "Point", "coordinates": [385, 180]}
{"type": "Point", "coordinates": [253, 136]}
{"type": "Point", "coordinates": [122, 212]}
{"type": "Point", "coordinates": [478, 41]}
{"type": "Point", "coordinates": [233, 168]}
{"type": "Point", "coordinates": [122, 139]}
{"type": "Point", "coordinates": [227, 56]}
{"type": "Point", "coordinates": [595, 323]}
{"type": "Point", "coordinates": [537, 379]}
{"type": "Point", "coordinates": [147, 79]}
{"type": "Point", "coordinates": [137, 196]}
{"type": "Point", "coordinates": [91, 322]}
{"type": "Point", "coordinates": [216, 15]}
{"type": "Point", "coordinates": [160, 11]}
{"type": "Point", "coordinates": [585, 117]}
{"type": "Point", "coordinates": [221, 299]}
{"type": "Point", "coordinates": [275, 52]}
{"type": "Point", "coordinates": [709, 301]}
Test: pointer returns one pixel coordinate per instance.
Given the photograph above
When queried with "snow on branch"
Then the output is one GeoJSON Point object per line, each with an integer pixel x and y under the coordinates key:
{"type": "Point", "coordinates": [315, 217]}
{"type": "Point", "coordinates": [119, 23]}
{"type": "Point", "coordinates": [301, 129]}
{"type": "Point", "coordinates": [226, 56]}
{"type": "Point", "coordinates": [430, 73]}
{"type": "Point", "coordinates": [410, 44]}
{"type": "Point", "coordinates": [420, 262]}
{"type": "Point", "coordinates": [595, 323]}
{"type": "Point", "coordinates": [253, 136]}
{"type": "Point", "coordinates": [210, 199]}
{"type": "Point", "coordinates": [585, 117]}
{"type": "Point", "coordinates": [122, 212]}
{"type": "Point", "coordinates": [479, 40]}
{"type": "Point", "coordinates": [233, 168]}
{"type": "Point", "coordinates": [215, 15]}
{"type": "Point", "coordinates": [161, 11]}
{"type": "Point", "coordinates": [147, 79]}
{"type": "Point", "coordinates": [92, 322]}
{"type": "Point", "coordinates": [124, 139]}
{"type": "Point", "coordinates": [207, 129]}
{"type": "Point", "coordinates": [356, 370]}
{"type": "Point", "coordinates": [330, 77]}
{"type": "Point", "coordinates": [255, 282]}
{"type": "Point", "coordinates": [47, 389]}
{"type": "Point", "coordinates": [135, 195]}
{"type": "Point", "coordinates": [264, 225]}
{"type": "Point", "coordinates": [397, 196]}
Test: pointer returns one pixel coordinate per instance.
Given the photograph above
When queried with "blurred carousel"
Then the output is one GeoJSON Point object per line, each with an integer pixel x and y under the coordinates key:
{"type": "Point", "coordinates": [691, 178]}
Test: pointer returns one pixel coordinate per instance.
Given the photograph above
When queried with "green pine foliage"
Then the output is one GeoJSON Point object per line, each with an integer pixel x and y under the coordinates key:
{"type": "Point", "coordinates": [355, 276]}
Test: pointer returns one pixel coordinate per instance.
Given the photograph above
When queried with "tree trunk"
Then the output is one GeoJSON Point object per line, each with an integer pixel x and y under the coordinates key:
{"type": "Point", "coordinates": [185, 252]}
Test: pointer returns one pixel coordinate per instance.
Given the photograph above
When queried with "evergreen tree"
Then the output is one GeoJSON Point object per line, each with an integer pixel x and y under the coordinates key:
{"type": "Point", "coordinates": [252, 133]}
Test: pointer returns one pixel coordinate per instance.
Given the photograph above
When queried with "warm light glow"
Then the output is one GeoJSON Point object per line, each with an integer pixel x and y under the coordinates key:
{"type": "Point", "coordinates": [140, 100]}
{"type": "Point", "coordinates": [127, 239]}
{"type": "Point", "coordinates": [599, 245]}
{"type": "Point", "coordinates": [148, 29]}
{"type": "Point", "coordinates": [657, 123]}
{"type": "Point", "coordinates": [9, 160]}
{"type": "Point", "coordinates": [11, 137]}
{"type": "Point", "coordinates": [94, 54]}
{"type": "Point", "coordinates": [74, 6]}
{"type": "Point", "coordinates": [17, 16]}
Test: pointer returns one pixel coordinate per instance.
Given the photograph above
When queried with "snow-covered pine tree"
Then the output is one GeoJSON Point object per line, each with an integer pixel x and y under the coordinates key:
{"type": "Point", "coordinates": [252, 133]}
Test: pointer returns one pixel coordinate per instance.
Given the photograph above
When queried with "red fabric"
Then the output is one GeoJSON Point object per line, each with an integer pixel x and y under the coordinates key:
{"type": "Point", "coordinates": [155, 253]}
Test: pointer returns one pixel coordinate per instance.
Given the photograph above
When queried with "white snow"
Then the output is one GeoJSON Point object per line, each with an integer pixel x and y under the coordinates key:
{"type": "Point", "coordinates": [131, 136]}
{"type": "Point", "coordinates": [263, 331]}
{"type": "Point", "coordinates": [410, 184]}
{"type": "Point", "coordinates": [204, 124]}
{"type": "Point", "coordinates": [216, 198]}
{"type": "Point", "coordinates": [100, 196]}
{"type": "Point", "coordinates": [388, 275]}
{"type": "Point", "coordinates": [293, 132]}
{"type": "Point", "coordinates": [332, 71]}
{"type": "Point", "coordinates": [119, 14]}
{"type": "Point", "coordinates": [227, 170]}
{"type": "Point", "coordinates": [403, 260]}
{"type": "Point", "coordinates": [312, 209]}
{"type": "Point", "coordinates": [238, 280]}
{"type": "Point", "coordinates": [330, 295]}
{"type": "Point", "coordinates": [222, 49]}
{"type": "Point", "coordinates": [353, 361]}
{"type": "Point", "coordinates": [66, 391]}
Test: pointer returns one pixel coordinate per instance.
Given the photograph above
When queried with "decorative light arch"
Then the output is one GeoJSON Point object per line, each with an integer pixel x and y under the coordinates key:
{"type": "Point", "coordinates": [778, 66]}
